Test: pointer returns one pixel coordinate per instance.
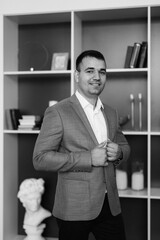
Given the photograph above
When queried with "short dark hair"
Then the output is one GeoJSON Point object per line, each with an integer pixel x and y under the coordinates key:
{"type": "Point", "coordinates": [88, 53]}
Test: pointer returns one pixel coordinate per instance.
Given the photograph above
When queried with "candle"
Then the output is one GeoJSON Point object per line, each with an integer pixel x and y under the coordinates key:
{"type": "Point", "coordinates": [138, 180]}
{"type": "Point", "coordinates": [121, 179]}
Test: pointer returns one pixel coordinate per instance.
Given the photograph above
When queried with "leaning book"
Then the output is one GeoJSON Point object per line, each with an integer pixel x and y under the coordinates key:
{"type": "Point", "coordinates": [12, 118]}
{"type": "Point", "coordinates": [142, 60]}
{"type": "Point", "coordinates": [128, 57]}
{"type": "Point", "coordinates": [9, 123]}
{"type": "Point", "coordinates": [135, 55]}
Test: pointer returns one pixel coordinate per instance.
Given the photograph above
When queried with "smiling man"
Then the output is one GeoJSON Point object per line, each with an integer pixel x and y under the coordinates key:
{"type": "Point", "coordinates": [90, 76]}
{"type": "Point", "coordinates": [80, 139]}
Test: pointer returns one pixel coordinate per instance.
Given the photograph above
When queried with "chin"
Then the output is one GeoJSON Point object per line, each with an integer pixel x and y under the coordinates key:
{"type": "Point", "coordinates": [95, 92]}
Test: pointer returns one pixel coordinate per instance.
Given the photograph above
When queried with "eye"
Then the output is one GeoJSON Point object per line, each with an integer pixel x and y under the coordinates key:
{"type": "Point", "coordinates": [90, 71]}
{"type": "Point", "coordinates": [102, 73]}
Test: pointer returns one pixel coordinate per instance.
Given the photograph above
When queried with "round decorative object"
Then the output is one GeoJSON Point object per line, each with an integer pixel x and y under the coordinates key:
{"type": "Point", "coordinates": [33, 55]}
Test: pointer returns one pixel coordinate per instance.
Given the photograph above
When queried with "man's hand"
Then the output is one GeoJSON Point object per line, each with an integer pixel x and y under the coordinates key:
{"type": "Point", "coordinates": [99, 155]}
{"type": "Point", "coordinates": [114, 151]}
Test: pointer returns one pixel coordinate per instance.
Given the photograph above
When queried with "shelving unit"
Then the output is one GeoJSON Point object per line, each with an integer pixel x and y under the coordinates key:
{"type": "Point", "coordinates": [109, 31]}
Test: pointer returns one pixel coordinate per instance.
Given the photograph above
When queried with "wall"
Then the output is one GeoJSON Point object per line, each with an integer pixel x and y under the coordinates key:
{"type": "Point", "coordinates": [21, 6]}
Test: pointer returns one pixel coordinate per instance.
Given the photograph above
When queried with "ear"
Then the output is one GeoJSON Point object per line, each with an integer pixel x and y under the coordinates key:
{"type": "Point", "coordinates": [76, 75]}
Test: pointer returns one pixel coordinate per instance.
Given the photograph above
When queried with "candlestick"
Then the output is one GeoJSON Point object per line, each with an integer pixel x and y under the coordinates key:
{"type": "Point", "coordinates": [140, 110]}
{"type": "Point", "coordinates": [132, 110]}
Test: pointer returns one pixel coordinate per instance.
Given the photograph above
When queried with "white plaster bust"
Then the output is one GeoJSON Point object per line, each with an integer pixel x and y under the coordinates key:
{"type": "Point", "coordinates": [30, 194]}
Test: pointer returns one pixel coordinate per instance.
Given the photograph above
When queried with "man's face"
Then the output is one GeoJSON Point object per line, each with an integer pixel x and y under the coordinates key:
{"type": "Point", "coordinates": [92, 77]}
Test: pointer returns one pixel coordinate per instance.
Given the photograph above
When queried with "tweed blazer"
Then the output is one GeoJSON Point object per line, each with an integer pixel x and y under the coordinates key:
{"type": "Point", "coordinates": [64, 145]}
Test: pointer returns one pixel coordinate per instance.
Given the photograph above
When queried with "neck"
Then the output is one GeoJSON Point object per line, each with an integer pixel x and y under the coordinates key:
{"type": "Point", "coordinates": [30, 213]}
{"type": "Point", "coordinates": [92, 100]}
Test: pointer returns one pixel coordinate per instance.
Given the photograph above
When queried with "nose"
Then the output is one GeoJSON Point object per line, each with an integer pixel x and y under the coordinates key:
{"type": "Point", "coordinates": [96, 74]}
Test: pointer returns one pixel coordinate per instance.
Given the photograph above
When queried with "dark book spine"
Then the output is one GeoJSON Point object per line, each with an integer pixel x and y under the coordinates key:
{"type": "Point", "coordinates": [14, 121]}
{"type": "Point", "coordinates": [9, 122]}
{"type": "Point", "coordinates": [143, 56]}
{"type": "Point", "coordinates": [128, 56]}
{"type": "Point", "coordinates": [15, 115]}
{"type": "Point", "coordinates": [135, 55]}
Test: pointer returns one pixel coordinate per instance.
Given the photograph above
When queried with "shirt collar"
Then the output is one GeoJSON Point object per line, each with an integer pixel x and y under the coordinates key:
{"type": "Point", "coordinates": [84, 103]}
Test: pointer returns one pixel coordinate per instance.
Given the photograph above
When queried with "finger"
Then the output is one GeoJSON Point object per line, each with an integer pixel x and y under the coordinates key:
{"type": "Point", "coordinates": [111, 158]}
{"type": "Point", "coordinates": [110, 144]}
{"type": "Point", "coordinates": [111, 154]}
{"type": "Point", "coordinates": [110, 150]}
{"type": "Point", "coordinates": [105, 164]}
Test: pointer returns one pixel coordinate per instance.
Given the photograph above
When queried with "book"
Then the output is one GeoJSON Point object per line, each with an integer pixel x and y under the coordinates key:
{"type": "Point", "coordinates": [135, 55]}
{"type": "Point", "coordinates": [27, 121]}
{"type": "Point", "coordinates": [9, 123]}
{"type": "Point", "coordinates": [25, 127]}
{"type": "Point", "coordinates": [128, 57]}
{"type": "Point", "coordinates": [12, 117]}
{"type": "Point", "coordinates": [142, 60]}
{"type": "Point", "coordinates": [30, 117]}
{"type": "Point", "coordinates": [15, 115]}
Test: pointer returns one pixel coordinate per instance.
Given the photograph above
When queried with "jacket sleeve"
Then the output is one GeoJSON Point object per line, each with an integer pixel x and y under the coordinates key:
{"type": "Point", "coordinates": [48, 152]}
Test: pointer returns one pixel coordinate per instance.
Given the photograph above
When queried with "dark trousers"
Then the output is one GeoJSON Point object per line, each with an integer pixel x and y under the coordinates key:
{"type": "Point", "coordinates": [104, 227]}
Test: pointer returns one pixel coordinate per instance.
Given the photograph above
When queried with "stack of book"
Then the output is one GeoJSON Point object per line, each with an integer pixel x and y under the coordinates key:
{"type": "Point", "coordinates": [28, 122]}
{"type": "Point", "coordinates": [136, 56]}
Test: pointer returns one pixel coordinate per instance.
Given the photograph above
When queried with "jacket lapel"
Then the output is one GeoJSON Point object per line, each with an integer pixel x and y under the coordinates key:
{"type": "Point", "coordinates": [81, 114]}
{"type": "Point", "coordinates": [109, 123]}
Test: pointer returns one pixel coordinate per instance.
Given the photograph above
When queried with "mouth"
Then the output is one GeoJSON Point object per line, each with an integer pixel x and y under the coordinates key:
{"type": "Point", "coordinates": [95, 84]}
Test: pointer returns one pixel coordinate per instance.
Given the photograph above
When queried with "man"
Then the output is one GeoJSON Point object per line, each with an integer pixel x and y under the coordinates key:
{"type": "Point", "coordinates": [80, 139]}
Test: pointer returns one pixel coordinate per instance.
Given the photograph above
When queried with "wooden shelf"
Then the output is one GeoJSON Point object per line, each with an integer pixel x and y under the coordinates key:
{"type": "Point", "coordinates": [155, 193]}
{"type": "Point", "coordinates": [135, 133]}
{"type": "Point", "coordinates": [129, 193]}
{"type": "Point", "coordinates": [128, 70]}
{"type": "Point", "coordinates": [21, 131]}
{"type": "Point", "coordinates": [37, 73]}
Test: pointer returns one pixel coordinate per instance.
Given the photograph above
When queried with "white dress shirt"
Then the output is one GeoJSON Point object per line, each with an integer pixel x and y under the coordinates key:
{"type": "Point", "coordinates": [95, 117]}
